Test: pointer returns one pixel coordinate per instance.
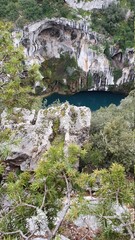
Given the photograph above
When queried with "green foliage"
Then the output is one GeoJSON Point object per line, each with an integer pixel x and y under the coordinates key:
{"type": "Point", "coordinates": [4, 148]}
{"type": "Point", "coordinates": [92, 159]}
{"type": "Point", "coordinates": [30, 9]}
{"type": "Point", "coordinates": [111, 21]}
{"type": "Point", "coordinates": [128, 3]}
{"type": "Point", "coordinates": [112, 133]}
{"type": "Point", "coordinates": [114, 192]}
{"type": "Point", "coordinates": [1, 168]}
{"type": "Point", "coordinates": [107, 50]}
{"type": "Point", "coordinates": [108, 18]}
{"type": "Point", "coordinates": [117, 73]}
{"type": "Point", "coordinates": [11, 92]}
{"type": "Point", "coordinates": [115, 142]}
{"type": "Point", "coordinates": [55, 9]}
{"type": "Point", "coordinates": [4, 135]}
{"type": "Point", "coordinates": [12, 11]}
{"type": "Point", "coordinates": [124, 35]}
{"type": "Point", "coordinates": [126, 87]}
{"type": "Point", "coordinates": [89, 80]}
{"type": "Point", "coordinates": [56, 124]}
{"type": "Point", "coordinates": [23, 11]}
{"type": "Point", "coordinates": [55, 70]}
{"type": "Point", "coordinates": [108, 234]}
{"type": "Point", "coordinates": [26, 190]}
{"type": "Point", "coordinates": [14, 90]}
{"type": "Point", "coordinates": [113, 184]}
{"type": "Point", "coordinates": [34, 75]}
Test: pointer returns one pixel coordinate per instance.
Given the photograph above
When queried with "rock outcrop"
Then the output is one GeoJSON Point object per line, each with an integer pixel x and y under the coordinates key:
{"type": "Point", "coordinates": [90, 5]}
{"type": "Point", "coordinates": [125, 62]}
{"type": "Point", "coordinates": [32, 134]}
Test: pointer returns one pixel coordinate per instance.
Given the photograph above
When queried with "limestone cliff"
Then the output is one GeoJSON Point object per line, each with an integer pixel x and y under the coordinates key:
{"type": "Point", "coordinates": [90, 5]}
{"type": "Point", "coordinates": [32, 134]}
{"type": "Point", "coordinates": [50, 38]}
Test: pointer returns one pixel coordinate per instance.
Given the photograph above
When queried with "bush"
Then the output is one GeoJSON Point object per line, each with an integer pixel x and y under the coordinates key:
{"type": "Point", "coordinates": [117, 73]}
{"type": "Point", "coordinates": [32, 10]}
{"type": "Point", "coordinates": [112, 131]}
{"type": "Point", "coordinates": [111, 21]}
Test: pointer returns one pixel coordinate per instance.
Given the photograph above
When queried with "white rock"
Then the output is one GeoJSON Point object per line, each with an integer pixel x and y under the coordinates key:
{"type": "Point", "coordinates": [32, 134]}
{"type": "Point", "coordinates": [38, 224]}
{"type": "Point", "coordinates": [88, 221]}
{"type": "Point", "coordinates": [42, 44]}
{"type": "Point", "coordinates": [90, 5]}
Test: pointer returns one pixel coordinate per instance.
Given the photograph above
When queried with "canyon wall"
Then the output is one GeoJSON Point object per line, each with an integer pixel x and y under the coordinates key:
{"type": "Point", "coordinates": [51, 38]}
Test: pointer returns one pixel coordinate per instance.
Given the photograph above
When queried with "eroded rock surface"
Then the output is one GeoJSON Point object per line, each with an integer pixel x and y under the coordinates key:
{"type": "Point", "coordinates": [49, 38]}
{"type": "Point", "coordinates": [32, 134]}
{"type": "Point", "coordinates": [90, 5]}
{"type": "Point", "coordinates": [52, 37]}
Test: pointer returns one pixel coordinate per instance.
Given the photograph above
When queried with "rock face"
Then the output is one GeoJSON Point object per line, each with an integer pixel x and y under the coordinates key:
{"type": "Point", "coordinates": [89, 5]}
{"type": "Point", "coordinates": [126, 63]}
{"type": "Point", "coordinates": [32, 134]}
{"type": "Point", "coordinates": [50, 38]}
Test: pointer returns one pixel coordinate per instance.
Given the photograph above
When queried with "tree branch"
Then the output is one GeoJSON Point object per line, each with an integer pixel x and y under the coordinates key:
{"type": "Point", "coordinates": [15, 232]}
{"type": "Point", "coordinates": [26, 205]}
{"type": "Point", "coordinates": [20, 232]}
{"type": "Point", "coordinates": [117, 196]}
{"type": "Point", "coordinates": [44, 197]}
{"type": "Point", "coordinates": [129, 230]}
{"type": "Point", "coordinates": [126, 225]}
{"type": "Point", "coordinates": [19, 205]}
{"type": "Point", "coordinates": [65, 207]}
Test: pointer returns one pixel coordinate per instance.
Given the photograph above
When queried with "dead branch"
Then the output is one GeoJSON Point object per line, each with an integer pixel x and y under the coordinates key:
{"type": "Point", "coordinates": [15, 232]}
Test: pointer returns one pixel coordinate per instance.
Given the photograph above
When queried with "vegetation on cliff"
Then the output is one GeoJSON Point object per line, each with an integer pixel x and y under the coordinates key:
{"type": "Point", "coordinates": [24, 11]}
{"type": "Point", "coordinates": [105, 162]}
{"type": "Point", "coordinates": [40, 194]}
{"type": "Point", "coordinates": [114, 22]}
{"type": "Point", "coordinates": [16, 79]}
{"type": "Point", "coordinates": [112, 136]}
{"type": "Point", "coordinates": [62, 74]}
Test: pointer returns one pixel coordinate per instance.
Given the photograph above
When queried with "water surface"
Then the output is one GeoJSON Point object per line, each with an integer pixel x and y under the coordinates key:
{"type": "Point", "coordinates": [92, 99]}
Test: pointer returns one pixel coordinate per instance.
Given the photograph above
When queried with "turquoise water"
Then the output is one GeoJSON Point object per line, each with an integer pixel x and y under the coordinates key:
{"type": "Point", "coordinates": [92, 99]}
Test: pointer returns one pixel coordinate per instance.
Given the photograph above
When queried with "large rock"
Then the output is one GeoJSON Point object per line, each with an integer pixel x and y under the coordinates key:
{"type": "Point", "coordinates": [32, 134]}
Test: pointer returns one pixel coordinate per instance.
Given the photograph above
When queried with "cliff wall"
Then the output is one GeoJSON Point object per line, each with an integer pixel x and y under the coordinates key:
{"type": "Point", "coordinates": [51, 38]}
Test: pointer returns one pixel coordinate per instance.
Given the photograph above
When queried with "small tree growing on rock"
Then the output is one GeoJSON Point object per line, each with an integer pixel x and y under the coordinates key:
{"type": "Point", "coordinates": [36, 199]}
{"type": "Point", "coordinates": [114, 194]}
